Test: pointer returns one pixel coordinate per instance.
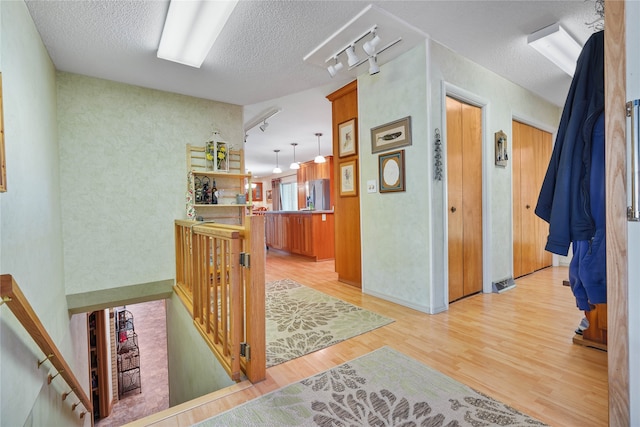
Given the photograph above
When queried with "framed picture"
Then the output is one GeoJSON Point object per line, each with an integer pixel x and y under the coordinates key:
{"type": "Point", "coordinates": [391, 171]}
{"type": "Point", "coordinates": [256, 192]}
{"type": "Point", "coordinates": [392, 135]}
{"type": "Point", "coordinates": [348, 179]}
{"type": "Point", "coordinates": [348, 138]}
{"type": "Point", "coordinates": [269, 196]}
{"type": "Point", "coordinates": [501, 149]}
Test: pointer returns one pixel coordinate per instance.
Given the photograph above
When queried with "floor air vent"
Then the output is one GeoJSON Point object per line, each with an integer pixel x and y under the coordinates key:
{"type": "Point", "coordinates": [503, 285]}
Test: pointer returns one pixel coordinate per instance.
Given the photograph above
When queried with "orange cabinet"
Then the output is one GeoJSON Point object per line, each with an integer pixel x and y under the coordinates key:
{"type": "Point", "coordinates": [309, 234]}
{"type": "Point", "coordinates": [310, 171]}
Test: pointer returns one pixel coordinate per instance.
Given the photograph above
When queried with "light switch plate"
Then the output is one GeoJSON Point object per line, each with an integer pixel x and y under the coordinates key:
{"type": "Point", "coordinates": [372, 186]}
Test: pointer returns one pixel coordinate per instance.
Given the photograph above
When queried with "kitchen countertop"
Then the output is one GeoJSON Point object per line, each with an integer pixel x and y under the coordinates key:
{"type": "Point", "coordinates": [315, 211]}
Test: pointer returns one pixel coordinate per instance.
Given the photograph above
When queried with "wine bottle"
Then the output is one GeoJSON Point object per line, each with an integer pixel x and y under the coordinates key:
{"type": "Point", "coordinates": [214, 194]}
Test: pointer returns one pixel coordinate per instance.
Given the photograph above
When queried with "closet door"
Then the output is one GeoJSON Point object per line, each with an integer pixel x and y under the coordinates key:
{"type": "Point", "coordinates": [531, 151]}
{"type": "Point", "coordinates": [464, 183]}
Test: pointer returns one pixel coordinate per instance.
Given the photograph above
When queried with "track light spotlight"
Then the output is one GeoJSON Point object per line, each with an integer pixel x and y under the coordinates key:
{"type": "Point", "coordinates": [264, 126]}
{"type": "Point", "coordinates": [373, 66]}
{"type": "Point", "coordinates": [370, 46]}
{"type": "Point", "coordinates": [333, 69]}
{"type": "Point", "coordinates": [351, 55]}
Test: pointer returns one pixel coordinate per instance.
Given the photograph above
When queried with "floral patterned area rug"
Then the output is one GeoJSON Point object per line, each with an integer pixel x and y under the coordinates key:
{"type": "Point", "coordinates": [381, 388]}
{"type": "Point", "coordinates": [301, 320]}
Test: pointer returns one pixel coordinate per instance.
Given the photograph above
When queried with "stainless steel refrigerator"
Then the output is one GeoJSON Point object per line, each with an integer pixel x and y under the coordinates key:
{"type": "Point", "coordinates": [318, 194]}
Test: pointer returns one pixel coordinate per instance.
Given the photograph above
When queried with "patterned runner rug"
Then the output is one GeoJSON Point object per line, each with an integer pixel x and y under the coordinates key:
{"type": "Point", "coordinates": [382, 388]}
{"type": "Point", "coordinates": [301, 320]}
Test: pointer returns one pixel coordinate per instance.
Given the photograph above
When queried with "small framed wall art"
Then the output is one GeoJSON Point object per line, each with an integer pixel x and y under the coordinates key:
{"type": "Point", "coordinates": [348, 138]}
{"type": "Point", "coordinates": [256, 192]}
{"type": "Point", "coordinates": [392, 135]}
{"type": "Point", "coordinates": [501, 149]}
{"type": "Point", "coordinates": [391, 172]}
{"type": "Point", "coordinates": [348, 178]}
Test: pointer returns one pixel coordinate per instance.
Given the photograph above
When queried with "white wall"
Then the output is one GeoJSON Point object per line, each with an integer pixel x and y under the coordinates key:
{"type": "Point", "coordinates": [502, 101]}
{"type": "Point", "coordinates": [395, 226]}
{"type": "Point", "coordinates": [193, 369]}
{"type": "Point", "coordinates": [31, 231]}
{"type": "Point", "coordinates": [404, 234]}
{"type": "Point", "coordinates": [123, 176]}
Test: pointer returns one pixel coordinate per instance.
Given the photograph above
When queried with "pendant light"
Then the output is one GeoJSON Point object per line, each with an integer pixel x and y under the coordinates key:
{"type": "Point", "coordinates": [277, 168]}
{"type": "Point", "coordinates": [319, 158]}
{"type": "Point", "coordinates": [295, 164]}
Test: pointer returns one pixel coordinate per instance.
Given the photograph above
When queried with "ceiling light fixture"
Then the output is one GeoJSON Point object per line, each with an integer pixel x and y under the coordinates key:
{"type": "Point", "coordinates": [319, 158]}
{"type": "Point", "coordinates": [294, 165]}
{"type": "Point", "coordinates": [557, 46]}
{"type": "Point", "coordinates": [373, 66]}
{"type": "Point", "coordinates": [333, 69]}
{"type": "Point", "coordinates": [370, 46]}
{"type": "Point", "coordinates": [352, 58]}
{"type": "Point", "coordinates": [261, 120]}
{"type": "Point", "coordinates": [191, 28]}
{"type": "Point", "coordinates": [277, 168]}
{"type": "Point", "coordinates": [264, 126]}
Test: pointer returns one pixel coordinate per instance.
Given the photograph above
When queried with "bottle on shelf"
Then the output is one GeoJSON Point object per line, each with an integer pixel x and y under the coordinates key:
{"type": "Point", "coordinates": [214, 193]}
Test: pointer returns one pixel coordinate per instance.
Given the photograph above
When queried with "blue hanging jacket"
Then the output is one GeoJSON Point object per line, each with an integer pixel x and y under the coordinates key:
{"type": "Point", "coordinates": [564, 200]}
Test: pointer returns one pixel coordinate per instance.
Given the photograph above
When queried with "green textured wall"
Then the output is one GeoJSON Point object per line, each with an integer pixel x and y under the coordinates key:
{"type": "Point", "coordinates": [123, 176]}
{"type": "Point", "coordinates": [31, 231]}
{"type": "Point", "coordinates": [193, 369]}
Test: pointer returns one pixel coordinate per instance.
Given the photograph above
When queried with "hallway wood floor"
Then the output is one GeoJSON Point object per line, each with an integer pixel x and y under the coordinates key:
{"type": "Point", "coordinates": [515, 346]}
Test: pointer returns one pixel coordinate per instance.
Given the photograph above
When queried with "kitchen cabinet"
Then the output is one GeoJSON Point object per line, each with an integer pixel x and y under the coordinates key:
{"type": "Point", "coordinates": [310, 171]}
{"type": "Point", "coordinates": [275, 232]}
{"type": "Point", "coordinates": [300, 227]}
{"type": "Point", "coordinates": [308, 233]}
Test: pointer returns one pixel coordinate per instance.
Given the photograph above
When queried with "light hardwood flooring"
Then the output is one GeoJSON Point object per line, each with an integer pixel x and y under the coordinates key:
{"type": "Point", "coordinates": [515, 346]}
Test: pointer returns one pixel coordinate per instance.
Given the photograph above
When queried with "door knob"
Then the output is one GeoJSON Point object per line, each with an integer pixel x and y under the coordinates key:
{"type": "Point", "coordinates": [453, 209]}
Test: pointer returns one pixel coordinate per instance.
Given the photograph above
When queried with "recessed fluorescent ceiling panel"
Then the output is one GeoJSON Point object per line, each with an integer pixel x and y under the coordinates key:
{"type": "Point", "coordinates": [191, 29]}
{"type": "Point", "coordinates": [557, 46]}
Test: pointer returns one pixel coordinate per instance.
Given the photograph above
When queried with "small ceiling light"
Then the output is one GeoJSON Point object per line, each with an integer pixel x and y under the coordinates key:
{"type": "Point", "coordinates": [557, 46]}
{"type": "Point", "coordinates": [277, 168]}
{"type": "Point", "coordinates": [264, 126]}
{"type": "Point", "coordinates": [373, 66]}
{"type": "Point", "coordinates": [191, 28]}
{"type": "Point", "coordinates": [370, 46]}
{"type": "Point", "coordinates": [352, 57]}
{"type": "Point", "coordinates": [333, 69]}
{"type": "Point", "coordinates": [294, 164]}
{"type": "Point", "coordinates": [319, 158]}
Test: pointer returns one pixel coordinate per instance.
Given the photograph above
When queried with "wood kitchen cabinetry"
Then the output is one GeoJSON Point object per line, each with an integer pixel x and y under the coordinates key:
{"type": "Point", "coordinates": [310, 171]}
{"type": "Point", "coordinates": [309, 233]}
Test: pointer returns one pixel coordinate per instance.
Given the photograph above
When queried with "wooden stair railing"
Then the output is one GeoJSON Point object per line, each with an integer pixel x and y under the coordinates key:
{"type": "Point", "coordinates": [220, 278]}
{"type": "Point", "coordinates": [13, 297]}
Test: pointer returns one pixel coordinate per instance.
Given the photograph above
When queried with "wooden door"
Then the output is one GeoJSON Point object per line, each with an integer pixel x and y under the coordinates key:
{"type": "Point", "coordinates": [531, 151]}
{"type": "Point", "coordinates": [98, 360]}
{"type": "Point", "coordinates": [464, 181]}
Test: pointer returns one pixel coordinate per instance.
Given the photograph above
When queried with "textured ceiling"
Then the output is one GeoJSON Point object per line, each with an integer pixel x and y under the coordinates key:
{"type": "Point", "coordinates": [258, 62]}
